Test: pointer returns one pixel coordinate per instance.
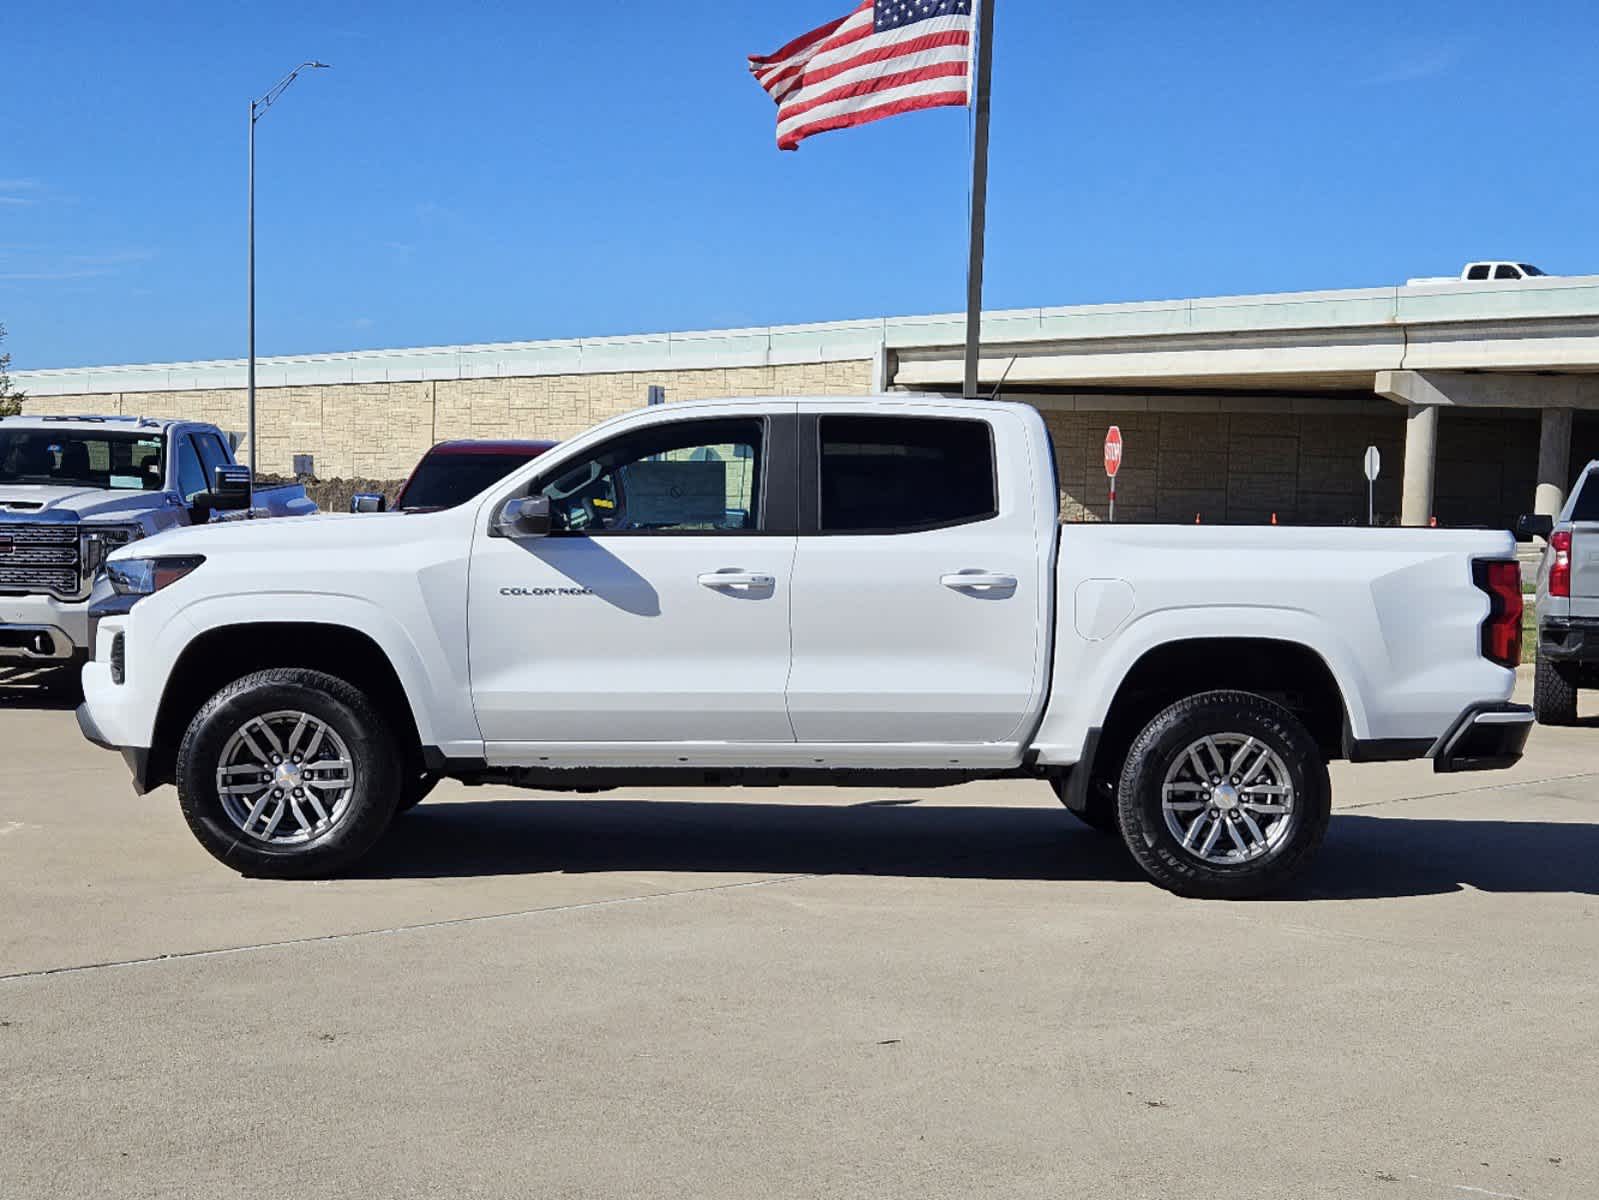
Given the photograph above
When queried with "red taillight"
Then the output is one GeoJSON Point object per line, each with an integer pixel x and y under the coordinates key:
{"type": "Point", "coordinates": [1560, 566]}
{"type": "Point", "coordinates": [1501, 632]}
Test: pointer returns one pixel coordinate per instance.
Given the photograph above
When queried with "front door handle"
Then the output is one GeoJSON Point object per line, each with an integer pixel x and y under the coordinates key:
{"type": "Point", "coordinates": [738, 579]}
{"type": "Point", "coordinates": [979, 580]}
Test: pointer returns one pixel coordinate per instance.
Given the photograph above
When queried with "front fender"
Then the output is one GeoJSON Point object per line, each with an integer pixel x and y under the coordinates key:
{"type": "Point", "coordinates": [357, 613]}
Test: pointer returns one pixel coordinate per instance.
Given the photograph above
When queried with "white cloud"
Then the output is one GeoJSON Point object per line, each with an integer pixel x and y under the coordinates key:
{"type": "Point", "coordinates": [1425, 62]}
{"type": "Point", "coordinates": [43, 268]}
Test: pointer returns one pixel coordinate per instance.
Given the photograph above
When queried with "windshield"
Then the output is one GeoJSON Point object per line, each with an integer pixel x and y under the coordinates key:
{"type": "Point", "coordinates": [1529, 270]}
{"type": "Point", "coordinates": [111, 461]}
{"type": "Point", "coordinates": [445, 480]}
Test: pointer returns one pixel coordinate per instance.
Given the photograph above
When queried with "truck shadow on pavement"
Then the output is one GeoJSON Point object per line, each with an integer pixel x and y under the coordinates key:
{"type": "Point", "coordinates": [41, 688]}
{"type": "Point", "coordinates": [1364, 857]}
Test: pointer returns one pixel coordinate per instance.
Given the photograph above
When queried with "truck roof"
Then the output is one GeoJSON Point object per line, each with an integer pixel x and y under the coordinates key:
{"type": "Point", "coordinates": [920, 399]}
{"type": "Point", "coordinates": [86, 421]}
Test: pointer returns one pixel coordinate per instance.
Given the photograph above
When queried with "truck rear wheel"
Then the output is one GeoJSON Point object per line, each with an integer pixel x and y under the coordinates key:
{"type": "Point", "coordinates": [288, 774]}
{"type": "Point", "coordinates": [1554, 693]}
{"type": "Point", "coordinates": [1224, 795]}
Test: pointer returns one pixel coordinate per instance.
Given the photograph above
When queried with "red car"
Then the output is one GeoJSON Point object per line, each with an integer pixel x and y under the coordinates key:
{"type": "Point", "coordinates": [452, 473]}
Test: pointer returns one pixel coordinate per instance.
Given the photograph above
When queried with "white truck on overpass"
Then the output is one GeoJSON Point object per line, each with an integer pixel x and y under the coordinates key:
{"type": "Point", "coordinates": [1482, 272]}
{"type": "Point", "coordinates": [859, 592]}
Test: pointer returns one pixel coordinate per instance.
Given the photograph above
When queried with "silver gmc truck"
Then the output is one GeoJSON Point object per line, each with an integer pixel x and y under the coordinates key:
{"type": "Point", "coordinates": [1568, 601]}
{"type": "Point", "coordinates": [73, 489]}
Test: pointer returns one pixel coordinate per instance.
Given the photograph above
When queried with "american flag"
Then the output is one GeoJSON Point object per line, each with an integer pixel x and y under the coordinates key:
{"type": "Point", "coordinates": [885, 58]}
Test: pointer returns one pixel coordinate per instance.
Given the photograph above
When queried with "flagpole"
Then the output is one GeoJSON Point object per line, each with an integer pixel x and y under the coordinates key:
{"type": "Point", "coordinates": [974, 264]}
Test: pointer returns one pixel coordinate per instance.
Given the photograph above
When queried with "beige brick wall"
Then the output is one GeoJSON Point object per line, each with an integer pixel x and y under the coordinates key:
{"type": "Point", "coordinates": [1240, 468]}
{"type": "Point", "coordinates": [379, 430]}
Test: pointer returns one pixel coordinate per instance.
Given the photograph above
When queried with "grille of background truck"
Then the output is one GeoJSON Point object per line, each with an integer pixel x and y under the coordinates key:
{"type": "Point", "coordinates": [42, 558]}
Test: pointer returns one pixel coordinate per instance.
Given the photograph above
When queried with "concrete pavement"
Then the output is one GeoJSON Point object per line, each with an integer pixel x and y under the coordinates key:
{"type": "Point", "coordinates": [797, 993]}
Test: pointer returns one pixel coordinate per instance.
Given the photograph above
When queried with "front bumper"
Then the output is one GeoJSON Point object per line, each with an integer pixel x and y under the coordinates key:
{"type": "Point", "coordinates": [43, 631]}
{"type": "Point", "coordinates": [1486, 737]}
{"type": "Point", "coordinates": [1574, 640]}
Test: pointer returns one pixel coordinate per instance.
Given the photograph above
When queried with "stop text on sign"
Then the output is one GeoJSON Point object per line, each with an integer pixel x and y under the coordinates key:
{"type": "Point", "coordinates": [1113, 451]}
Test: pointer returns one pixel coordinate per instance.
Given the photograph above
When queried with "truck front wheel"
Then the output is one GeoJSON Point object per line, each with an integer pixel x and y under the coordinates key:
{"type": "Point", "coordinates": [1224, 795]}
{"type": "Point", "coordinates": [288, 774]}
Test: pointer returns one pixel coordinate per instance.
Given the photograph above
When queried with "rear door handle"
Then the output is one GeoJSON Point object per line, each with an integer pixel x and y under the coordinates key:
{"type": "Point", "coordinates": [737, 579]}
{"type": "Point", "coordinates": [978, 580]}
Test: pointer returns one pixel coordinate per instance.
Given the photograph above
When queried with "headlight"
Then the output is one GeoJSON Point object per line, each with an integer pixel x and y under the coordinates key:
{"type": "Point", "coordinates": [146, 576]}
{"type": "Point", "coordinates": [96, 542]}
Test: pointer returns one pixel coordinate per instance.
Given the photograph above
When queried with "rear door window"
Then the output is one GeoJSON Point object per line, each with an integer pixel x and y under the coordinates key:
{"type": "Point", "coordinates": [904, 474]}
{"type": "Point", "coordinates": [1480, 271]}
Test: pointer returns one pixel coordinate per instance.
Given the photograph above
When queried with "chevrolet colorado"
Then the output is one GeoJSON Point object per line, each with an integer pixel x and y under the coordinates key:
{"type": "Point", "coordinates": [72, 489]}
{"type": "Point", "coordinates": [858, 592]}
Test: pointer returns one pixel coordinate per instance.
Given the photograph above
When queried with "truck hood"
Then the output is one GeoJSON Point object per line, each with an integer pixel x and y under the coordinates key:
{"type": "Point", "coordinates": [320, 531]}
{"type": "Point", "coordinates": [39, 502]}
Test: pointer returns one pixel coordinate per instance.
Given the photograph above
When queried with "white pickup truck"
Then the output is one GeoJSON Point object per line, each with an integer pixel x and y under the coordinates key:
{"type": "Point", "coordinates": [866, 592]}
{"type": "Point", "coordinates": [1482, 272]}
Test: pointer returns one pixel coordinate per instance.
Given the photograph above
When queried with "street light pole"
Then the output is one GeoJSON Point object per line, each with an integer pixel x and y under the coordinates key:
{"type": "Point", "coordinates": [249, 371]}
{"type": "Point", "coordinates": [257, 110]}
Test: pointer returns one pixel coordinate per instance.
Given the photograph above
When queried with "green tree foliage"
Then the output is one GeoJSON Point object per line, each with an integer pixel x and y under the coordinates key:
{"type": "Point", "coordinates": [10, 401]}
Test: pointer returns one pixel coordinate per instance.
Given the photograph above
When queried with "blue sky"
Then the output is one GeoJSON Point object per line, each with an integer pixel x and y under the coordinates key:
{"type": "Point", "coordinates": [531, 170]}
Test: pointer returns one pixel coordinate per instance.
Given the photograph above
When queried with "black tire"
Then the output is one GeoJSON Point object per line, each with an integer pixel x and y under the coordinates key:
{"type": "Point", "coordinates": [1165, 741]}
{"type": "Point", "coordinates": [374, 759]}
{"type": "Point", "coordinates": [1554, 693]}
{"type": "Point", "coordinates": [414, 789]}
{"type": "Point", "coordinates": [1100, 811]}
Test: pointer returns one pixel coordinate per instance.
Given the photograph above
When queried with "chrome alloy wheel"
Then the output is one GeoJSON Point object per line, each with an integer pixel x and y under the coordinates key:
{"type": "Point", "coordinates": [285, 778]}
{"type": "Point", "coordinates": [1228, 799]}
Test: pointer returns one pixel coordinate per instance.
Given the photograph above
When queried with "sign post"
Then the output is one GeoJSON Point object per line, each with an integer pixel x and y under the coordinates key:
{"type": "Point", "coordinates": [1113, 463]}
{"type": "Point", "coordinates": [1373, 467]}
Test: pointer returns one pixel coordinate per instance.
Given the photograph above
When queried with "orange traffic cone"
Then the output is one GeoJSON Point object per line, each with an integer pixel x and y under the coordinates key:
{"type": "Point", "coordinates": [1274, 518]}
{"type": "Point", "coordinates": [1432, 522]}
{"type": "Point", "coordinates": [1196, 518]}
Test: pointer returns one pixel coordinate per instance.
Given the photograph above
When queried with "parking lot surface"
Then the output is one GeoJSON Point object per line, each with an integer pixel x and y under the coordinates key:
{"type": "Point", "coordinates": [798, 993]}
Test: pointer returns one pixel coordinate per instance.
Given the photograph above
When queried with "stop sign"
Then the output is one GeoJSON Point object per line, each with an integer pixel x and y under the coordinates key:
{"type": "Point", "coordinates": [1113, 451]}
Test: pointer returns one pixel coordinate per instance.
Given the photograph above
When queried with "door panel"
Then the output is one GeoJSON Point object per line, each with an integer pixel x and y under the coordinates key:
{"type": "Point", "coordinates": [657, 609]}
{"type": "Point", "coordinates": [617, 640]}
{"type": "Point", "coordinates": [927, 635]}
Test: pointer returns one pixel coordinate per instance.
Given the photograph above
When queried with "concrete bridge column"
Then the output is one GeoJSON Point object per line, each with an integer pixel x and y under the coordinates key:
{"type": "Point", "coordinates": [1554, 461]}
{"type": "Point", "coordinates": [1421, 463]}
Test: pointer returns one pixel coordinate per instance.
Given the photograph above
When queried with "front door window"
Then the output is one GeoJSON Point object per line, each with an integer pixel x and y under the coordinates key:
{"type": "Point", "coordinates": [701, 477]}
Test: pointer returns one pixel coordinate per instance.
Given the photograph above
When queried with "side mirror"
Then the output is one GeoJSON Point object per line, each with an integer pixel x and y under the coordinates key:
{"type": "Point", "coordinates": [369, 502]}
{"type": "Point", "coordinates": [1531, 525]}
{"type": "Point", "coordinates": [524, 517]}
{"type": "Point", "coordinates": [230, 487]}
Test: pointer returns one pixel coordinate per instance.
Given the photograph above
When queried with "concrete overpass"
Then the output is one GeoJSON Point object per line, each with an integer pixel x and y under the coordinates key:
{"type": "Point", "coordinates": [1320, 370]}
{"type": "Point", "coordinates": [1523, 346]}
